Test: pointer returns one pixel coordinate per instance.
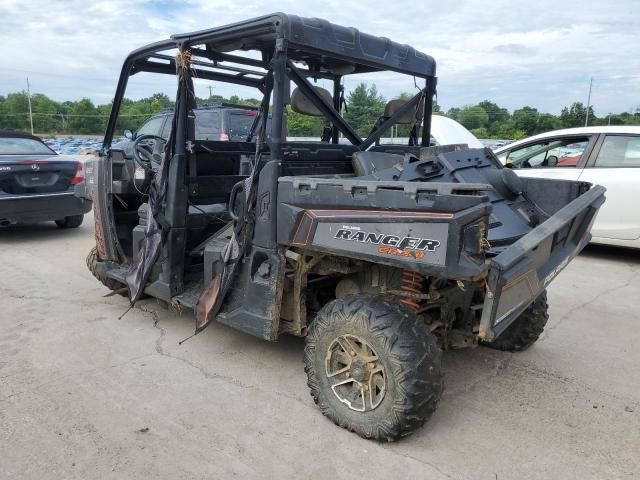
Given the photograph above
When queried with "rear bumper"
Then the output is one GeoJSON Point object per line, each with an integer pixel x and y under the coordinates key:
{"type": "Point", "coordinates": [521, 273]}
{"type": "Point", "coordinates": [41, 207]}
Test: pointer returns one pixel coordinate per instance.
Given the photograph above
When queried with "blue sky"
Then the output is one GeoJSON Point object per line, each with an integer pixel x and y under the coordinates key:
{"type": "Point", "coordinates": [540, 54]}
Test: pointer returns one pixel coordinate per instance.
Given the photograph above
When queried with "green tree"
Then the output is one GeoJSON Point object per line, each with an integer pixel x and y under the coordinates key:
{"type": "Point", "coordinates": [496, 115]}
{"type": "Point", "coordinates": [508, 131]}
{"type": "Point", "coordinates": [160, 101]}
{"type": "Point", "coordinates": [16, 113]}
{"type": "Point", "coordinates": [480, 132]}
{"type": "Point", "coordinates": [575, 115]}
{"type": "Point", "coordinates": [84, 117]}
{"type": "Point", "coordinates": [547, 123]}
{"type": "Point", "coordinates": [236, 100]}
{"type": "Point", "coordinates": [473, 116]}
{"type": "Point", "coordinates": [303, 125]}
{"type": "Point", "coordinates": [364, 106]}
{"type": "Point", "coordinates": [46, 118]}
{"type": "Point", "coordinates": [453, 113]}
{"type": "Point", "coordinates": [526, 119]}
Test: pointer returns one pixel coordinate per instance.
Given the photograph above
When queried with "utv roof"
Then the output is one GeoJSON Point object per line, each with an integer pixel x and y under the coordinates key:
{"type": "Point", "coordinates": [319, 43]}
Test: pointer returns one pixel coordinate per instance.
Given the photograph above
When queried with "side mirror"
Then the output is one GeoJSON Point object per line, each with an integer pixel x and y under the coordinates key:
{"type": "Point", "coordinates": [128, 134]}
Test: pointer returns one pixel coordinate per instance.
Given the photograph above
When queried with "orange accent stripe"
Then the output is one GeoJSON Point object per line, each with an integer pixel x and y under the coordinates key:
{"type": "Point", "coordinates": [310, 216]}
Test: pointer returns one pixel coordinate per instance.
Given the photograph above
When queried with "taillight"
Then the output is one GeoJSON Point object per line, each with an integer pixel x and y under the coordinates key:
{"type": "Point", "coordinates": [224, 137]}
{"type": "Point", "coordinates": [79, 178]}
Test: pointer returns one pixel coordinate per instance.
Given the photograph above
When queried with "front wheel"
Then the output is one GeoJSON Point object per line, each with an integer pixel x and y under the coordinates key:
{"type": "Point", "coordinates": [373, 366]}
{"type": "Point", "coordinates": [72, 221]}
{"type": "Point", "coordinates": [111, 284]}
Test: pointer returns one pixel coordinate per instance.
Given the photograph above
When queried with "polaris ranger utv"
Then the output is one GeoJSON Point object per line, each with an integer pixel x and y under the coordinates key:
{"type": "Point", "coordinates": [380, 255]}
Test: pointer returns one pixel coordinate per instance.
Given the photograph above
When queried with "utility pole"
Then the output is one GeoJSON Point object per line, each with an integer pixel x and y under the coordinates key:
{"type": "Point", "coordinates": [609, 118]}
{"type": "Point", "coordinates": [29, 99]}
{"type": "Point", "coordinates": [210, 91]}
{"type": "Point", "coordinates": [586, 119]}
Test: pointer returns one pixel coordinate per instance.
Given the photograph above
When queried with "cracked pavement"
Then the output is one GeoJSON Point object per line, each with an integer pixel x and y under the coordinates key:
{"type": "Point", "coordinates": [86, 395]}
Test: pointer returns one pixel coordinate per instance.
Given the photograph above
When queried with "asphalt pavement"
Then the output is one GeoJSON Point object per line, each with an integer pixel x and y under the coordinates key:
{"type": "Point", "coordinates": [84, 395]}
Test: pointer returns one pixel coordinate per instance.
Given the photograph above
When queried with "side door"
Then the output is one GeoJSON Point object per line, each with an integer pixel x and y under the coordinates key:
{"type": "Point", "coordinates": [553, 157]}
{"type": "Point", "coordinates": [615, 164]}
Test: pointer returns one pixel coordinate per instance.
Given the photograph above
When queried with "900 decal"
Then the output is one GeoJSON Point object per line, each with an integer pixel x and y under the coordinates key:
{"type": "Point", "coordinates": [414, 247]}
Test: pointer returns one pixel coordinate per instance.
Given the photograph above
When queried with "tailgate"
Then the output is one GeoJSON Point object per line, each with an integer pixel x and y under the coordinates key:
{"type": "Point", "coordinates": [519, 274]}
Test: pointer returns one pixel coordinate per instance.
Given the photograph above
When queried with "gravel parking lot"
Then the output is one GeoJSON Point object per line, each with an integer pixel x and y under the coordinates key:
{"type": "Point", "coordinates": [85, 395]}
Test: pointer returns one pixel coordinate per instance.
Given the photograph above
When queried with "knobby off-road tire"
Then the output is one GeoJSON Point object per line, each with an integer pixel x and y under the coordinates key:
{"type": "Point", "coordinates": [73, 221]}
{"type": "Point", "coordinates": [406, 353]}
{"type": "Point", "coordinates": [111, 284]}
{"type": "Point", "coordinates": [526, 329]}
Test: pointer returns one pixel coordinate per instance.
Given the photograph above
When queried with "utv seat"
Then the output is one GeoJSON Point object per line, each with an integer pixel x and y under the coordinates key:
{"type": "Point", "coordinates": [408, 118]}
{"type": "Point", "coordinates": [301, 104]}
{"type": "Point", "coordinates": [366, 163]}
{"type": "Point", "coordinates": [412, 118]}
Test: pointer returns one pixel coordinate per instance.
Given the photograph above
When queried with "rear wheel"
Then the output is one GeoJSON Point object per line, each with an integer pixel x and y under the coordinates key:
{"type": "Point", "coordinates": [72, 221]}
{"type": "Point", "coordinates": [526, 329]}
{"type": "Point", "coordinates": [110, 283]}
{"type": "Point", "coordinates": [373, 367]}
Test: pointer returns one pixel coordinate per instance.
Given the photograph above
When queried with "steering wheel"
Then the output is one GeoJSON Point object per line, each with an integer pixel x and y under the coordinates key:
{"type": "Point", "coordinates": [145, 154]}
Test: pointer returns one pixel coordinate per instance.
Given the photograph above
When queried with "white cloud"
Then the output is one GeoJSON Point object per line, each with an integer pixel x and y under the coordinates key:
{"type": "Point", "coordinates": [540, 54]}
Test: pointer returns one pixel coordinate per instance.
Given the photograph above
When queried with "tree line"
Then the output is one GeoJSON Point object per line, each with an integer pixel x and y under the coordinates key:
{"type": "Point", "coordinates": [364, 106]}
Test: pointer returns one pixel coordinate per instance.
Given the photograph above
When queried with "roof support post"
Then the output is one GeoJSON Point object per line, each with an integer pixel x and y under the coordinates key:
{"type": "Point", "coordinates": [280, 88]}
{"type": "Point", "coordinates": [430, 88]}
{"type": "Point", "coordinates": [337, 104]}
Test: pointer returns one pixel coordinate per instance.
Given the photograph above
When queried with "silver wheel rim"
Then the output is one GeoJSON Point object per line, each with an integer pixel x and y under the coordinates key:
{"type": "Point", "coordinates": [356, 375]}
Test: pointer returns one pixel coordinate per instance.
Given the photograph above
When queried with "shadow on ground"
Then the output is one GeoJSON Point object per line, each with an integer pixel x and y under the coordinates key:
{"type": "Point", "coordinates": [615, 254]}
{"type": "Point", "coordinates": [40, 232]}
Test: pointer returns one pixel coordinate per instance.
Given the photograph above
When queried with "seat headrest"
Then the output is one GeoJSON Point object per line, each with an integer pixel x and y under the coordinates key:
{"type": "Point", "coordinates": [394, 105]}
{"type": "Point", "coordinates": [301, 104]}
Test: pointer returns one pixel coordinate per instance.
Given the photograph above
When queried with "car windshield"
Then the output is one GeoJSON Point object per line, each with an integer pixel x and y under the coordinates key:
{"type": "Point", "coordinates": [23, 146]}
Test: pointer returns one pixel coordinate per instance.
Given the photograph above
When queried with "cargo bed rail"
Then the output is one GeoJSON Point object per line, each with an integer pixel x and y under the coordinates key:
{"type": "Point", "coordinates": [519, 274]}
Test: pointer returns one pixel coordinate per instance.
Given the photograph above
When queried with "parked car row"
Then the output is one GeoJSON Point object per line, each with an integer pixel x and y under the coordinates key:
{"type": "Point", "coordinates": [74, 145]}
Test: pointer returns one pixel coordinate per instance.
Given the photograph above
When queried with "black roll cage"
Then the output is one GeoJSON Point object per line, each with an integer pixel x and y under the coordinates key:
{"type": "Point", "coordinates": [282, 40]}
